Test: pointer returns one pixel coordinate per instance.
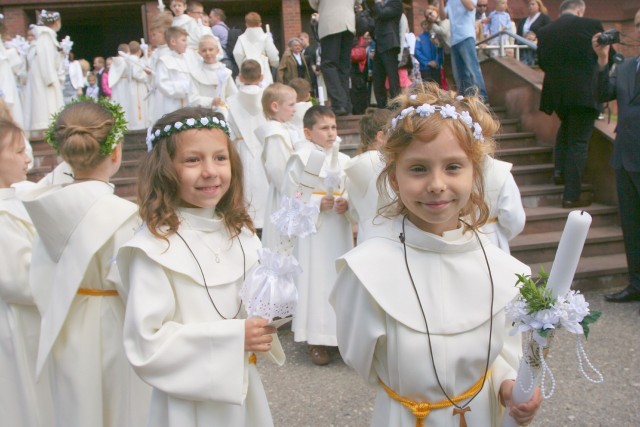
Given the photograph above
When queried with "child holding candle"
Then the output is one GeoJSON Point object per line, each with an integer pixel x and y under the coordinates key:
{"type": "Point", "coordinates": [278, 137]}
{"type": "Point", "coordinates": [185, 331]}
{"type": "Point", "coordinates": [420, 304]}
{"type": "Point", "coordinates": [314, 320]}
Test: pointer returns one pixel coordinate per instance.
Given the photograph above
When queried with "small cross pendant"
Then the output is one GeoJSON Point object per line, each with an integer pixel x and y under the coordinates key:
{"type": "Point", "coordinates": [458, 411]}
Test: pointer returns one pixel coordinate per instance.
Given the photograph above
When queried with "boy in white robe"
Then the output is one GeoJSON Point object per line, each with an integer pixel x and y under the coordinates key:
{"type": "Point", "coordinates": [303, 102]}
{"type": "Point", "coordinates": [245, 116]}
{"type": "Point", "coordinates": [314, 320]}
{"type": "Point", "coordinates": [172, 74]}
{"type": "Point", "coordinates": [120, 80]}
{"type": "Point", "coordinates": [138, 85]}
{"type": "Point", "coordinates": [160, 25]}
{"type": "Point", "coordinates": [277, 137]}
{"type": "Point", "coordinates": [23, 401]}
{"type": "Point", "coordinates": [212, 79]}
{"type": "Point", "coordinates": [186, 22]}
{"type": "Point", "coordinates": [254, 43]}
{"type": "Point", "coordinates": [12, 65]}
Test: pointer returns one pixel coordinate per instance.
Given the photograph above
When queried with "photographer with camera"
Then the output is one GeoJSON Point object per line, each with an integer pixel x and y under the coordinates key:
{"type": "Point", "coordinates": [624, 85]}
{"type": "Point", "coordinates": [569, 89]}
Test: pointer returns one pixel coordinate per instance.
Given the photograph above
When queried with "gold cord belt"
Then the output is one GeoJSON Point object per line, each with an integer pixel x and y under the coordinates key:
{"type": "Point", "coordinates": [324, 193]}
{"type": "Point", "coordinates": [422, 409]}
{"type": "Point", "coordinates": [492, 220]}
{"type": "Point", "coordinates": [253, 359]}
{"type": "Point", "coordinates": [98, 292]}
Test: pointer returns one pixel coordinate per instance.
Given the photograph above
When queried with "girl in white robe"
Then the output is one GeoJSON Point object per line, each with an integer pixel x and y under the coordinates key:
{"type": "Point", "coordinates": [23, 402]}
{"type": "Point", "coordinates": [12, 66]}
{"type": "Point", "coordinates": [74, 278]}
{"type": "Point", "coordinates": [212, 79]}
{"type": "Point", "coordinates": [185, 330]}
{"type": "Point", "coordinates": [45, 75]}
{"type": "Point", "coordinates": [278, 145]}
{"type": "Point", "coordinates": [420, 304]}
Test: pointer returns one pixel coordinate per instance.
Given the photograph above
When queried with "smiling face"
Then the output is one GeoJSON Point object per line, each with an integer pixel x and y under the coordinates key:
{"type": "Point", "coordinates": [323, 132]}
{"type": "Point", "coordinates": [203, 167]}
{"type": "Point", "coordinates": [434, 181]}
{"type": "Point", "coordinates": [14, 160]}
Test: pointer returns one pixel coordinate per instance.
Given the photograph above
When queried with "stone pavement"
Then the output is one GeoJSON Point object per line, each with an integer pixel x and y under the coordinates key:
{"type": "Point", "coordinates": [302, 394]}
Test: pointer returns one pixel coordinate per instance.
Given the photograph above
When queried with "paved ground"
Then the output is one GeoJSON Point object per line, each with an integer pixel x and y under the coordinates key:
{"type": "Point", "coordinates": [302, 394]}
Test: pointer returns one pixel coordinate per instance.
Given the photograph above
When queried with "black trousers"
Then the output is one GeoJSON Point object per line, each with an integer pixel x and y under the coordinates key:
{"type": "Point", "coordinates": [572, 147]}
{"type": "Point", "coordinates": [628, 187]}
{"type": "Point", "coordinates": [336, 66]}
{"type": "Point", "coordinates": [385, 64]}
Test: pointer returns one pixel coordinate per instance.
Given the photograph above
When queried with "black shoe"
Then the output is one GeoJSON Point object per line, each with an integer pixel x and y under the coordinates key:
{"type": "Point", "coordinates": [625, 295]}
{"type": "Point", "coordinates": [340, 112]}
{"type": "Point", "coordinates": [572, 204]}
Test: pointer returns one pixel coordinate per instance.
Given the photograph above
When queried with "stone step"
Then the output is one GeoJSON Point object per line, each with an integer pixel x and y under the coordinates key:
{"type": "Point", "coordinates": [533, 174]}
{"type": "Point", "coordinates": [553, 218]}
{"type": "Point", "coordinates": [525, 155]}
{"type": "Point", "coordinates": [509, 126]}
{"type": "Point", "coordinates": [35, 174]}
{"type": "Point", "coordinates": [45, 157]}
{"type": "Point", "coordinates": [38, 144]}
{"type": "Point", "coordinates": [348, 122]}
{"type": "Point", "coordinates": [548, 194]}
{"type": "Point", "coordinates": [128, 168]}
{"type": "Point", "coordinates": [596, 272]}
{"type": "Point", "coordinates": [125, 186]}
{"type": "Point", "coordinates": [541, 247]}
{"type": "Point", "coordinates": [515, 140]}
{"type": "Point", "coordinates": [499, 112]}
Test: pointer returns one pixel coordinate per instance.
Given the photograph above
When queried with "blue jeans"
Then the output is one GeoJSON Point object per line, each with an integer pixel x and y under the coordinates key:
{"type": "Point", "coordinates": [466, 68]}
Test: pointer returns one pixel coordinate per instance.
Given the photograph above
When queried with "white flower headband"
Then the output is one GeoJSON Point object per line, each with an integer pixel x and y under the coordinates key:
{"type": "Point", "coordinates": [446, 111]}
{"type": "Point", "coordinates": [49, 17]}
{"type": "Point", "coordinates": [191, 123]}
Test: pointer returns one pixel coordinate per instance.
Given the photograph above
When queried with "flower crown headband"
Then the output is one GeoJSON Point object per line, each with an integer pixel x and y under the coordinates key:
{"type": "Point", "coordinates": [115, 135]}
{"type": "Point", "coordinates": [446, 111]}
{"type": "Point", "coordinates": [49, 17]}
{"type": "Point", "coordinates": [190, 123]}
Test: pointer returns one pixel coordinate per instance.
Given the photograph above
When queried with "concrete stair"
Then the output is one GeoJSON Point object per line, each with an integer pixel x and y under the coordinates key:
{"type": "Point", "coordinates": [602, 265]}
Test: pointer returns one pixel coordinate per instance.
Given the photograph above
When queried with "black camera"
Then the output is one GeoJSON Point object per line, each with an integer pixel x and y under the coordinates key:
{"type": "Point", "coordinates": [609, 37]}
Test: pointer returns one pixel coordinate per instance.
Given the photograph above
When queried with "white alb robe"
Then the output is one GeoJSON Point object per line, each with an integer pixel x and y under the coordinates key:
{"type": "Point", "coordinates": [277, 148]}
{"type": "Point", "coordinates": [174, 337]}
{"type": "Point", "coordinates": [44, 80]}
{"type": "Point", "coordinates": [23, 402]}
{"type": "Point", "coordinates": [154, 101]}
{"type": "Point", "coordinates": [245, 116]}
{"type": "Point", "coordinates": [192, 27]}
{"type": "Point", "coordinates": [120, 84]}
{"type": "Point", "coordinates": [139, 86]}
{"type": "Point", "coordinates": [212, 81]}
{"type": "Point", "coordinates": [11, 66]}
{"type": "Point", "coordinates": [80, 228]}
{"type": "Point", "coordinates": [382, 332]}
{"type": "Point", "coordinates": [174, 83]}
{"type": "Point", "coordinates": [506, 213]}
{"type": "Point", "coordinates": [315, 320]}
{"type": "Point", "coordinates": [255, 44]}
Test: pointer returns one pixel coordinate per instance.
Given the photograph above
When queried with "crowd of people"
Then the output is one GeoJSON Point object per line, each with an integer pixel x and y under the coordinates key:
{"type": "Point", "coordinates": [114, 313]}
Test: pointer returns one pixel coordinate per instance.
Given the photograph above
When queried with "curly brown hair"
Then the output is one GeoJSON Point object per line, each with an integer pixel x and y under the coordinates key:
{"type": "Point", "coordinates": [158, 183]}
{"type": "Point", "coordinates": [426, 129]}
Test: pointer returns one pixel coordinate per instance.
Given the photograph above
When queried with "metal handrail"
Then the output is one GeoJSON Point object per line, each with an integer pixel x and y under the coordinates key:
{"type": "Point", "coordinates": [522, 43]}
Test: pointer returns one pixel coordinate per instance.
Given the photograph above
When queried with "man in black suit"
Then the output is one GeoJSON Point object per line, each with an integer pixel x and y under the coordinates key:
{"type": "Point", "coordinates": [569, 89]}
{"type": "Point", "coordinates": [386, 34]}
{"type": "Point", "coordinates": [624, 85]}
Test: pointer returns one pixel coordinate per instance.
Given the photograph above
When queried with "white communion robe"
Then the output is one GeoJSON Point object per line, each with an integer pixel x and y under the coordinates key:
{"type": "Point", "coordinates": [362, 177]}
{"type": "Point", "coordinates": [245, 116]}
{"type": "Point", "coordinates": [192, 27]}
{"type": "Point", "coordinates": [212, 81]}
{"type": "Point", "coordinates": [382, 333]}
{"type": "Point", "coordinates": [120, 84]}
{"type": "Point", "coordinates": [173, 335]}
{"type": "Point", "coordinates": [80, 228]}
{"type": "Point", "coordinates": [138, 116]}
{"type": "Point", "coordinates": [23, 402]}
{"type": "Point", "coordinates": [506, 213]}
{"type": "Point", "coordinates": [155, 98]}
{"type": "Point", "coordinates": [255, 44]}
{"type": "Point", "coordinates": [44, 83]}
{"type": "Point", "coordinates": [11, 66]}
{"type": "Point", "coordinates": [174, 83]}
{"type": "Point", "coordinates": [314, 320]}
{"type": "Point", "coordinates": [277, 148]}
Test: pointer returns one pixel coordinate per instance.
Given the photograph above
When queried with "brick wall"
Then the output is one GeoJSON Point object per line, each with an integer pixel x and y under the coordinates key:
{"type": "Point", "coordinates": [291, 20]}
{"type": "Point", "coordinates": [16, 21]}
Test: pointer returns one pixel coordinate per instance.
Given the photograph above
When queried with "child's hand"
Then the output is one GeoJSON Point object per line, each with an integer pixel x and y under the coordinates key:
{"type": "Point", "coordinates": [327, 203]}
{"type": "Point", "coordinates": [341, 205]}
{"type": "Point", "coordinates": [257, 335]}
{"type": "Point", "coordinates": [523, 413]}
{"type": "Point", "coordinates": [217, 101]}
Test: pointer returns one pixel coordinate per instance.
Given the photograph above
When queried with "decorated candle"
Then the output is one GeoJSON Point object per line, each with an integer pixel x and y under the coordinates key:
{"type": "Point", "coordinates": [320, 95]}
{"type": "Point", "coordinates": [568, 253]}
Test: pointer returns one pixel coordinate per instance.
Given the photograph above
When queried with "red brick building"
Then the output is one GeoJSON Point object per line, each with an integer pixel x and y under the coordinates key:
{"type": "Point", "coordinates": [98, 26]}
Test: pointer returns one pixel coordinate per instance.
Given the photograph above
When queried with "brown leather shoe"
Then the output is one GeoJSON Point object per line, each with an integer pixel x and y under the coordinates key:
{"type": "Point", "coordinates": [319, 355]}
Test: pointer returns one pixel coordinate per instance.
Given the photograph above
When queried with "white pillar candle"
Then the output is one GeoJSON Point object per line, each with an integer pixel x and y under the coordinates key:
{"type": "Point", "coordinates": [320, 95]}
{"type": "Point", "coordinates": [160, 5]}
{"type": "Point", "coordinates": [568, 253]}
{"type": "Point", "coordinates": [268, 28]}
{"type": "Point", "coordinates": [335, 152]}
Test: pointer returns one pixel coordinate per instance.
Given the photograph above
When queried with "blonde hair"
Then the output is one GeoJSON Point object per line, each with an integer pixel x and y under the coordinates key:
{"type": "Point", "coordinates": [275, 92]}
{"type": "Point", "coordinates": [415, 127]}
{"type": "Point", "coordinates": [173, 33]}
{"type": "Point", "coordinates": [81, 129]}
{"type": "Point", "coordinates": [10, 133]}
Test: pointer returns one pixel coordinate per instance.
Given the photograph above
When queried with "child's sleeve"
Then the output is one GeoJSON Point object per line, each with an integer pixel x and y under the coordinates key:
{"type": "Point", "coordinates": [197, 361]}
{"type": "Point", "coordinates": [505, 367]}
{"type": "Point", "coordinates": [170, 86]}
{"type": "Point", "coordinates": [15, 261]}
{"type": "Point", "coordinates": [276, 156]}
{"type": "Point", "coordinates": [511, 215]}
